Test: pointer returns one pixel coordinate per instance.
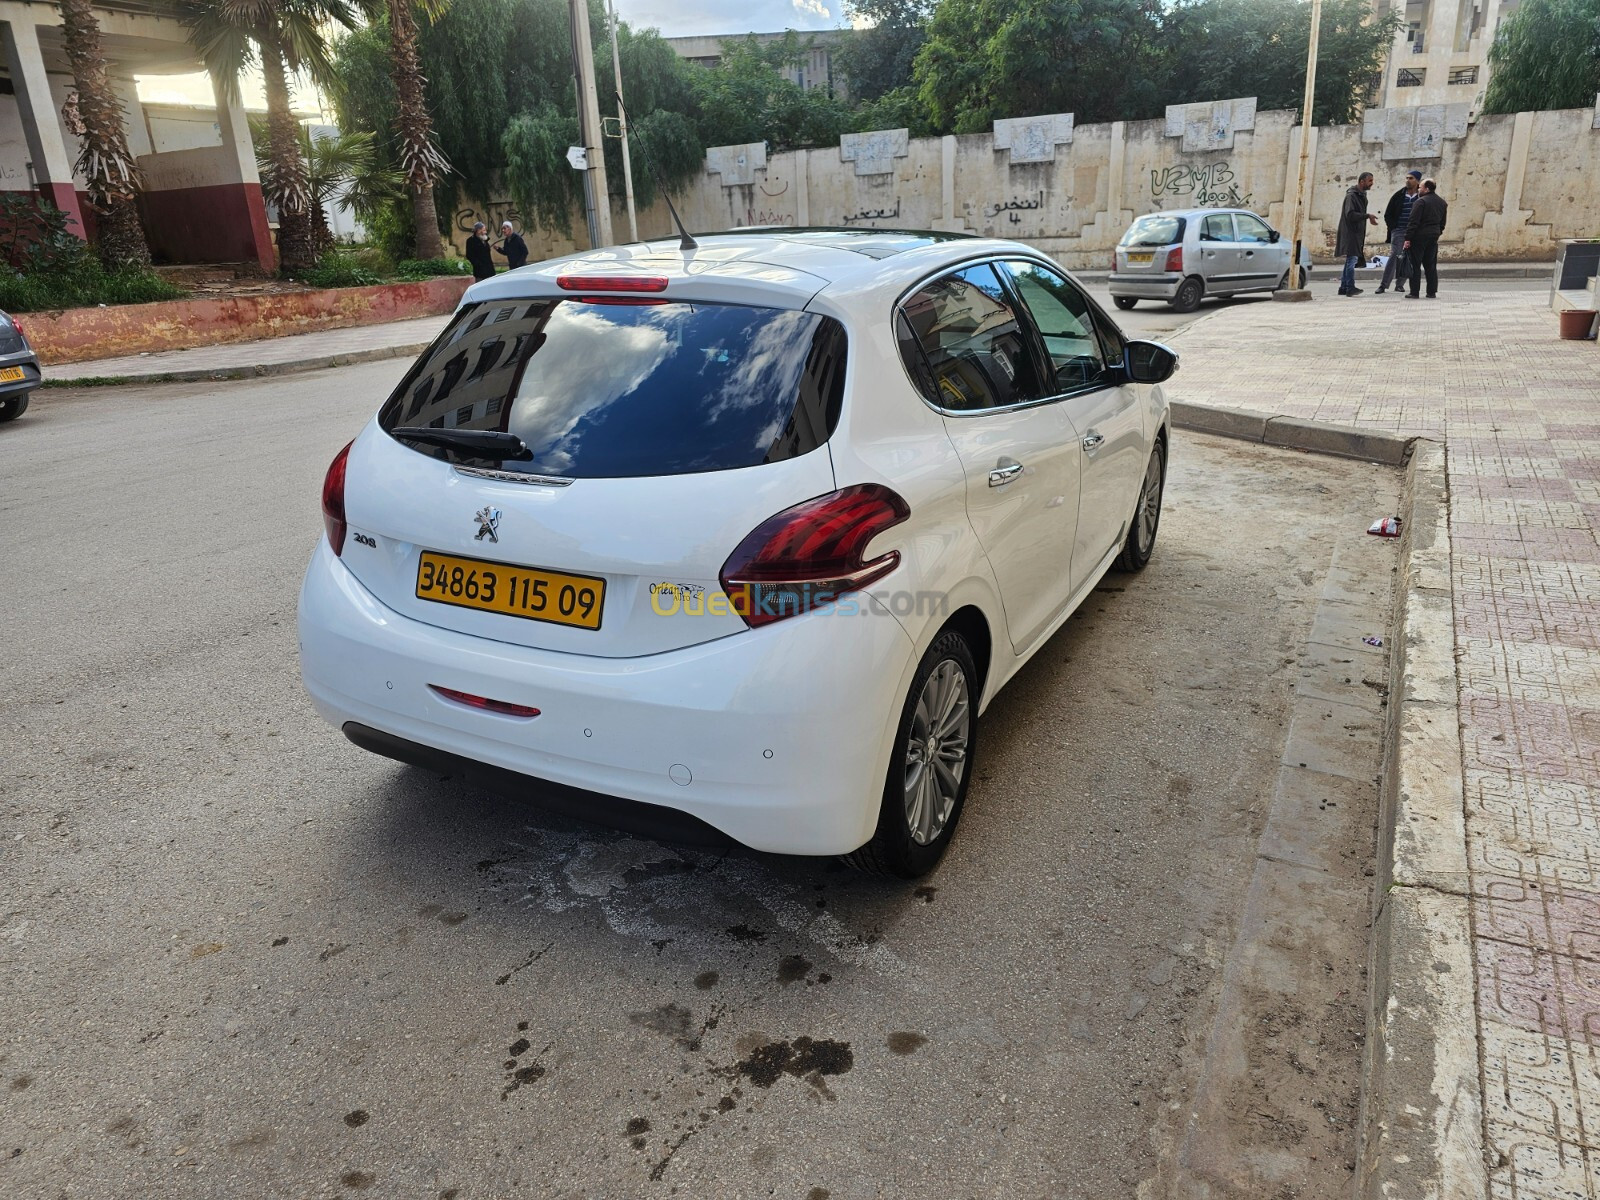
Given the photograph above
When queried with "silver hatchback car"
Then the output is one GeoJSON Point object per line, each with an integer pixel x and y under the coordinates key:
{"type": "Point", "coordinates": [1184, 255]}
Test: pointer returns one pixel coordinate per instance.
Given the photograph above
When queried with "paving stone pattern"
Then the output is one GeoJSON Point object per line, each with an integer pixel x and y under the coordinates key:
{"type": "Point", "coordinates": [1519, 412]}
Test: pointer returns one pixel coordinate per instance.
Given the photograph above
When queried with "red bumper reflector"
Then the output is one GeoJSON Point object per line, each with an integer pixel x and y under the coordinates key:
{"type": "Point", "coordinates": [483, 702]}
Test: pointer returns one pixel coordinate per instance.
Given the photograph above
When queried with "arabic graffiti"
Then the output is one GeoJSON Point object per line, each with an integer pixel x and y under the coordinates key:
{"type": "Point", "coordinates": [873, 214]}
{"type": "Point", "coordinates": [1214, 184]}
{"type": "Point", "coordinates": [1012, 207]}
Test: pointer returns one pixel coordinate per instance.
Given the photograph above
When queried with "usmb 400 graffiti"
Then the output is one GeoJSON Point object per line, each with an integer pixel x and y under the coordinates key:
{"type": "Point", "coordinates": [1213, 184]}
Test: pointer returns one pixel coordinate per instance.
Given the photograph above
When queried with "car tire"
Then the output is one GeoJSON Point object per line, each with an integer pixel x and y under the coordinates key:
{"type": "Point", "coordinates": [1146, 520]}
{"type": "Point", "coordinates": [14, 406]}
{"type": "Point", "coordinates": [1125, 302]}
{"type": "Point", "coordinates": [921, 805]}
{"type": "Point", "coordinates": [1189, 294]}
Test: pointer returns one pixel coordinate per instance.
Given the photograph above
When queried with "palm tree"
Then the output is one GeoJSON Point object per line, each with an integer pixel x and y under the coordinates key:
{"type": "Point", "coordinates": [104, 159]}
{"type": "Point", "coordinates": [343, 169]}
{"type": "Point", "coordinates": [284, 36]}
{"type": "Point", "coordinates": [420, 159]}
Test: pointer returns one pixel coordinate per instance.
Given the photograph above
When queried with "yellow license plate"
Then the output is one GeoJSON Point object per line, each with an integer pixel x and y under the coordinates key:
{"type": "Point", "coordinates": [527, 592]}
{"type": "Point", "coordinates": [12, 374]}
{"type": "Point", "coordinates": [1141, 258]}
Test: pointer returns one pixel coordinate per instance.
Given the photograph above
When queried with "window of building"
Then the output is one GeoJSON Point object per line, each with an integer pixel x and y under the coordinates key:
{"type": "Point", "coordinates": [1464, 75]}
{"type": "Point", "coordinates": [1409, 78]}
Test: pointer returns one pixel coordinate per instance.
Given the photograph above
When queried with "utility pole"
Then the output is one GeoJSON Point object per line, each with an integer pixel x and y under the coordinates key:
{"type": "Point", "coordinates": [1297, 289]}
{"type": "Point", "coordinates": [596, 197]}
{"type": "Point", "coordinates": [622, 125]}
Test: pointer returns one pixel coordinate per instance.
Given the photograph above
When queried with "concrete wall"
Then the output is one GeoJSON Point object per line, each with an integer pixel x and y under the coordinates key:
{"type": "Point", "coordinates": [1516, 184]}
{"type": "Point", "coordinates": [84, 334]}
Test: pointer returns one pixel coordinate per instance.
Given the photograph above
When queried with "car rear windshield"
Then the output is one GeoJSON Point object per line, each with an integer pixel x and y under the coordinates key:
{"type": "Point", "coordinates": [623, 387]}
{"type": "Point", "coordinates": [1154, 231]}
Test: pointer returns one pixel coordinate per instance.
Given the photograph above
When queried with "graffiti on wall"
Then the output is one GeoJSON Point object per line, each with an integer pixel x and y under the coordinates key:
{"type": "Point", "coordinates": [1214, 184]}
{"type": "Point", "coordinates": [872, 214]}
{"type": "Point", "coordinates": [767, 216]}
{"type": "Point", "coordinates": [492, 215]}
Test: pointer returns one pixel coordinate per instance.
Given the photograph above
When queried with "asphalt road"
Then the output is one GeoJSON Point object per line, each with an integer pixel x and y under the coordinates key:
{"type": "Point", "coordinates": [239, 957]}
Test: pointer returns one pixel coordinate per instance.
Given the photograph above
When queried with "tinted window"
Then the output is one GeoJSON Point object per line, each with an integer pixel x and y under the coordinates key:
{"type": "Point", "coordinates": [1063, 318]}
{"type": "Point", "coordinates": [1252, 228]}
{"type": "Point", "coordinates": [611, 390]}
{"type": "Point", "coordinates": [1154, 230]}
{"type": "Point", "coordinates": [974, 349]}
{"type": "Point", "coordinates": [1217, 228]}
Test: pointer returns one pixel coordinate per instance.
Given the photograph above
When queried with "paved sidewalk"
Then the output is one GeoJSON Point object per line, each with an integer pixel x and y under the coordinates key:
{"type": "Point", "coordinates": [1519, 412]}
{"type": "Point", "coordinates": [271, 356]}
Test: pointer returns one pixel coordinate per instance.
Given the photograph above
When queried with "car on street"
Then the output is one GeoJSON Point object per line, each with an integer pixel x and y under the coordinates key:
{"type": "Point", "coordinates": [1184, 255]}
{"type": "Point", "coordinates": [19, 368]}
{"type": "Point", "coordinates": [747, 533]}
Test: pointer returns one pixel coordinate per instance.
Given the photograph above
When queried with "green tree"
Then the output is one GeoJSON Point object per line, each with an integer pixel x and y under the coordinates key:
{"type": "Point", "coordinates": [985, 59]}
{"type": "Point", "coordinates": [1545, 55]}
{"type": "Point", "coordinates": [1211, 45]}
{"type": "Point", "coordinates": [747, 99]}
{"type": "Point", "coordinates": [877, 60]}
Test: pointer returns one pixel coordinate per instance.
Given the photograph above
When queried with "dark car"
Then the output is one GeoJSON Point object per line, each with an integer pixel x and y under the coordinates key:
{"type": "Point", "coordinates": [19, 368]}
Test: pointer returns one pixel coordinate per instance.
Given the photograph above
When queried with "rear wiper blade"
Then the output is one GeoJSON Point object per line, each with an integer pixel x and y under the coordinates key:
{"type": "Point", "coordinates": [479, 443]}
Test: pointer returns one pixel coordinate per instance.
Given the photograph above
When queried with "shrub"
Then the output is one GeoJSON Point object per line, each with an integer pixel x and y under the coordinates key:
{"type": "Point", "coordinates": [59, 270]}
{"type": "Point", "coordinates": [427, 268]}
{"type": "Point", "coordinates": [339, 269]}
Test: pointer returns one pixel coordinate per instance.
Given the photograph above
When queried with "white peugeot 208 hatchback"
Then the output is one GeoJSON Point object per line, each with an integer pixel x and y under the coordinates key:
{"type": "Point", "coordinates": [745, 534]}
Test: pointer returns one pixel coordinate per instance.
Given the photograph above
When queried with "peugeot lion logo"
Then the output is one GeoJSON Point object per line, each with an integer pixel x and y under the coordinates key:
{"type": "Point", "coordinates": [488, 519]}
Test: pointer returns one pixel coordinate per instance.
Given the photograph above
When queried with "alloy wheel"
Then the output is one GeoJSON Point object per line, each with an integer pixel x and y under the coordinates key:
{"type": "Point", "coordinates": [936, 751]}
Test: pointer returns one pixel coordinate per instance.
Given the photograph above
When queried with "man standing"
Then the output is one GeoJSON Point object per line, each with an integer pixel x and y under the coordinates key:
{"type": "Point", "coordinates": [1352, 240]}
{"type": "Point", "coordinates": [1395, 215]}
{"type": "Point", "coordinates": [1423, 231]}
{"type": "Point", "coordinates": [478, 252]}
{"type": "Point", "coordinates": [512, 245]}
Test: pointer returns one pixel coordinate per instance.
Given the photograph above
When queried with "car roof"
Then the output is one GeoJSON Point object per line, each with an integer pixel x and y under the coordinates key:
{"type": "Point", "coordinates": [771, 265]}
{"type": "Point", "coordinates": [1195, 212]}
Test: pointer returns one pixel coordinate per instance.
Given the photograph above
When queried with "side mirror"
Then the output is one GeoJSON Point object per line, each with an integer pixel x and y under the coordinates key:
{"type": "Point", "coordinates": [1273, 235]}
{"type": "Point", "coordinates": [1150, 362]}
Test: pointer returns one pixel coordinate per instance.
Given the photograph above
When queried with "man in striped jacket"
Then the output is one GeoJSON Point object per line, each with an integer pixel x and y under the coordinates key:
{"type": "Point", "coordinates": [1395, 215]}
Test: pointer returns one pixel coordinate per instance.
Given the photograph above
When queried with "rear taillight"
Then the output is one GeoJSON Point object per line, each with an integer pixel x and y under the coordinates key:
{"type": "Point", "coordinates": [805, 557]}
{"type": "Point", "coordinates": [21, 332]}
{"type": "Point", "coordinates": [1175, 259]}
{"type": "Point", "coordinates": [1113, 262]}
{"type": "Point", "coordinates": [504, 707]}
{"type": "Point", "coordinates": [333, 500]}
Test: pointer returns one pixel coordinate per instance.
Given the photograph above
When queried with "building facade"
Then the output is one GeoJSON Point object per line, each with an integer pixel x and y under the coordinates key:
{"type": "Point", "coordinates": [202, 196]}
{"type": "Point", "coordinates": [1441, 55]}
{"type": "Point", "coordinates": [815, 72]}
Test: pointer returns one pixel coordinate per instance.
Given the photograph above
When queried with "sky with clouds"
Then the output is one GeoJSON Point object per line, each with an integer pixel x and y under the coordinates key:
{"type": "Point", "coordinates": [684, 18]}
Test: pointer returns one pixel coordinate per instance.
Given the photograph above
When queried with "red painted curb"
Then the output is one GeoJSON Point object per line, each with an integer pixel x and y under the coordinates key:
{"type": "Point", "coordinates": [83, 334]}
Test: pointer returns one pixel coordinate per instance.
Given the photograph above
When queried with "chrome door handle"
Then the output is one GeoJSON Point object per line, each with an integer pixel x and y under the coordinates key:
{"type": "Point", "coordinates": [1004, 472]}
{"type": "Point", "coordinates": [1092, 442]}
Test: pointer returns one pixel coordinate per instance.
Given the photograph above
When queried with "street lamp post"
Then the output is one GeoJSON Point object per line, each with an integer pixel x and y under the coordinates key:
{"type": "Point", "coordinates": [1297, 290]}
{"type": "Point", "coordinates": [622, 127]}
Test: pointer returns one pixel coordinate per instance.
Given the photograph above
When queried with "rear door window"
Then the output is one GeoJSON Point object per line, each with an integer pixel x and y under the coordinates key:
{"type": "Point", "coordinates": [1218, 227]}
{"type": "Point", "coordinates": [619, 389]}
{"type": "Point", "coordinates": [975, 353]}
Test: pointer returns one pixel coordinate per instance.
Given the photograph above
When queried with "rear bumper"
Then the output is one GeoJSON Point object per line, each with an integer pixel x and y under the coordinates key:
{"type": "Point", "coordinates": [1144, 287]}
{"type": "Point", "coordinates": [777, 737]}
{"type": "Point", "coordinates": [32, 376]}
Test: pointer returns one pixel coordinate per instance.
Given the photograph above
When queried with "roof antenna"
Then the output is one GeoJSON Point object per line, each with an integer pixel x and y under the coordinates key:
{"type": "Point", "coordinates": [686, 242]}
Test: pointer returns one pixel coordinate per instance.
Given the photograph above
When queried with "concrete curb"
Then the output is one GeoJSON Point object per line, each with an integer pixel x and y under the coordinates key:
{"type": "Point", "coordinates": [1292, 433]}
{"type": "Point", "coordinates": [1421, 1092]}
{"type": "Point", "coordinates": [249, 371]}
{"type": "Point", "coordinates": [1421, 1098]}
